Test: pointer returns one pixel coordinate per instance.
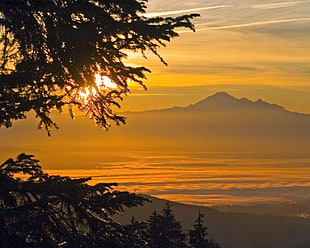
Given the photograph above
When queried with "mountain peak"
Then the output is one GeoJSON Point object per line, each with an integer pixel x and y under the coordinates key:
{"type": "Point", "coordinates": [219, 98]}
{"type": "Point", "coordinates": [221, 94]}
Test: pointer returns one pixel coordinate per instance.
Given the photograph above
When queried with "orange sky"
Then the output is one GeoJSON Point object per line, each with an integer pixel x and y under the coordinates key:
{"type": "Point", "coordinates": [254, 44]}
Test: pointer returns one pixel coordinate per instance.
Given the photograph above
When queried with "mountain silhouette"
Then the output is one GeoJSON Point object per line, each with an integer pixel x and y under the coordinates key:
{"type": "Point", "coordinates": [222, 101]}
{"type": "Point", "coordinates": [222, 119]}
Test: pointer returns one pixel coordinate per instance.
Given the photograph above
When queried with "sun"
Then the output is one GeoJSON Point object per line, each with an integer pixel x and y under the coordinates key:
{"type": "Point", "coordinates": [103, 83]}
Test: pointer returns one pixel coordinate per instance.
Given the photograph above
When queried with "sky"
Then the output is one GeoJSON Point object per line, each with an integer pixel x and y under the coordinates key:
{"type": "Point", "coordinates": [255, 49]}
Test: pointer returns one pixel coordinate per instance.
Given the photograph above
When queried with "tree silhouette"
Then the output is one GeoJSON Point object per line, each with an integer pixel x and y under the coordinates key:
{"type": "Point", "coordinates": [136, 236]}
{"type": "Point", "coordinates": [164, 230]}
{"type": "Point", "coordinates": [57, 53]}
{"type": "Point", "coordinates": [52, 211]}
{"type": "Point", "coordinates": [40, 210]}
{"type": "Point", "coordinates": [198, 236]}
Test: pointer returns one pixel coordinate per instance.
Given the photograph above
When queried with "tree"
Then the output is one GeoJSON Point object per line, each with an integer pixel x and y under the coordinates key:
{"type": "Point", "coordinates": [198, 236]}
{"type": "Point", "coordinates": [136, 236]}
{"type": "Point", "coordinates": [164, 230]}
{"type": "Point", "coordinates": [57, 53]}
{"type": "Point", "coordinates": [52, 211]}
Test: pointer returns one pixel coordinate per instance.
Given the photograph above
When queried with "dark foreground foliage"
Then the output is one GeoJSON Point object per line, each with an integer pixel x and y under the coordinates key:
{"type": "Point", "coordinates": [54, 211]}
{"type": "Point", "coordinates": [39, 210]}
{"type": "Point", "coordinates": [52, 50]}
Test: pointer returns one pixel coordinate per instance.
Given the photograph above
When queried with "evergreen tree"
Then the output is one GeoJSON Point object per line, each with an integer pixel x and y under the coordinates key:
{"type": "Point", "coordinates": [198, 236]}
{"type": "Point", "coordinates": [136, 236]}
{"type": "Point", "coordinates": [164, 230]}
{"type": "Point", "coordinates": [52, 211]}
{"type": "Point", "coordinates": [71, 52]}
{"type": "Point", "coordinates": [56, 53]}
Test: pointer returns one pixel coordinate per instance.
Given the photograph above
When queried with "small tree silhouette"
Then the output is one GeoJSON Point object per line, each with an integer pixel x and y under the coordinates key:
{"type": "Point", "coordinates": [136, 236]}
{"type": "Point", "coordinates": [164, 230]}
{"type": "Point", "coordinates": [198, 236]}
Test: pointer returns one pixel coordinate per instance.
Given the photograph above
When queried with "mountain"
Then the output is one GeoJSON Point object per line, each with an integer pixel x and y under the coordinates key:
{"type": "Point", "coordinates": [223, 102]}
{"type": "Point", "coordinates": [234, 230]}
{"type": "Point", "coordinates": [222, 121]}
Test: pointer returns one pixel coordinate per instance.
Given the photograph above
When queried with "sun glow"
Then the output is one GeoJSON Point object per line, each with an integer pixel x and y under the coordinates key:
{"type": "Point", "coordinates": [103, 83]}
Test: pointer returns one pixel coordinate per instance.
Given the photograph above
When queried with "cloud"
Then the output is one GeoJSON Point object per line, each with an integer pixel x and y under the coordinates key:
{"type": "Point", "coordinates": [175, 12]}
{"type": "Point", "coordinates": [276, 5]}
{"type": "Point", "coordinates": [306, 19]}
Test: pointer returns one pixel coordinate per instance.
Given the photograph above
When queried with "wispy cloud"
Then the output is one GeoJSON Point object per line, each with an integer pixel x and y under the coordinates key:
{"type": "Point", "coordinates": [175, 12]}
{"type": "Point", "coordinates": [306, 19]}
{"type": "Point", "coordinates": [276, 5]}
